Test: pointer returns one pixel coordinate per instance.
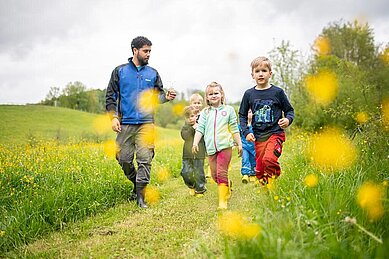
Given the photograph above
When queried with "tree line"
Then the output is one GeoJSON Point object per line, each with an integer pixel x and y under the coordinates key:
{"type": "Point", "coordinates": [345, 67]}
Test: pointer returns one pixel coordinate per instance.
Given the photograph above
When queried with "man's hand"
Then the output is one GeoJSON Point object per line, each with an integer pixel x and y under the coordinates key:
{"type": "Point", "coordinates": [250, 137]}
{"type": "Point", "coordinates": [116, 125]}
{"type": "Point", "coordinates": [283, 123]}
{"type": "Point", "coordinates": [171, 94]}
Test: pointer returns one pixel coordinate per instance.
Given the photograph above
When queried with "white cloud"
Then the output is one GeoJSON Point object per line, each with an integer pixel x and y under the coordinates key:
{"type": "Point", "coordinates": [50, 43]}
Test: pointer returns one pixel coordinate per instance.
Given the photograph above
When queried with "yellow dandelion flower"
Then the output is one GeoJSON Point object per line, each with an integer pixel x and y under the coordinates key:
{"type": "Point", "coordinates": [376, 212]}
{"type": "Point", "coordinates": [385, 55]}
{"type": "Point", "coordinates": [322, 87]}
{"type": "Point", "coordinates": [102, 124]}
{"type": "Point", "coordinates": [250, 230]}
{"type": "Point", "coordinates": [322, 46]}
{"type": "Point", "coordinates": [385, 113]}
{"type": "Point", "coordinates": [276, 198]}
{"type": "Point", "coordinates": [233, 224]}
{"type": "Point", "coordinates": [311, 180]}
{"type": "Point", "coordinates": [148, 100]}
{"type": "Point", "coordinates": [362, 117]}
{"type": "Point", "coordinates": [152, 195]}
{"type": "Point", "coordinates": [271, 185]}
{"type": "Point", "coordinates": [330, 150]}
{"type": "Point", "coordinates": [163, 174]}
{"type": "Point", "coordinates": [178, 109]}
{"type": "Point", "coordinates": [2, 233]}
{"type": "Point", "coordinates": [370, 198]}
{"type": "Point", "coordinates": [110, 148]}
{"type": "Point", "coordinates": [148, 135]}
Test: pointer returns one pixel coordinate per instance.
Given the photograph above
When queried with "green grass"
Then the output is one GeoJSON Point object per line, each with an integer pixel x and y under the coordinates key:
{"type": "Point", "coordinates": [27, 123]}
{"type": "Point", "coordinates": [296, 221]}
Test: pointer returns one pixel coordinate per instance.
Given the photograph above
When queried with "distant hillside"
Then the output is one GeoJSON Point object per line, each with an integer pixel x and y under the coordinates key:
{"type": "Point", "coordinates": [21, 123]}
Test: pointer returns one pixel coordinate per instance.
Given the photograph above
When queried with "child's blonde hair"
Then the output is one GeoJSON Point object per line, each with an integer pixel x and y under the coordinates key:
{"type": "Point", "coordinates": [214, 84]}
{"type": "Point", "coordinates": [261, 61]}
{"type": "Point", "coordinates": [188, 110]}
{"type": "Point", "coordinates": [196, 96]}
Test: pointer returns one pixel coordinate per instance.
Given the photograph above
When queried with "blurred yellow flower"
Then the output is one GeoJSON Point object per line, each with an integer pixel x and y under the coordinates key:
{"type": "Point", "coordinates": [110, 148]}
{"type": "Point", "coordinates": [102, 124]}
{"type": "Point", "coordinates": [2, 233]}
{"type": "Point", "coordinates": [370, 198]}
{"type": "Point", "coordinates": [362, 117]}
{"type": "Point", "coordinates": [148, 100]}
{"type": "Point", "coordinates": [330, 150]}
{"type": "Point", "coordinates": [148, 135]}
{"type": "Point", "coordinates": [385, 113]}
{"type": "Point", "coordinates": [322, 87]}
{"type": "Point", "coordinates": [163, 174]}
{"type": "Point", "coordinates": [152, 195]}
{"type": "Point", "coordinates": [178, 109]}
{"type": "Point", "coordinates": [233, 224]}
{"type": "Point", "coordinates": [311, 180]}
{"type": "Point", "coordinates": [385, 55]}
{"type": "Point", "coordinates": [322, 46]}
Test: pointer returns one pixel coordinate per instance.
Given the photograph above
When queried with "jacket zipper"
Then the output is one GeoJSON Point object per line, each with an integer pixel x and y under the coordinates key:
{"type": "Point", "coordinates": [214, 131]}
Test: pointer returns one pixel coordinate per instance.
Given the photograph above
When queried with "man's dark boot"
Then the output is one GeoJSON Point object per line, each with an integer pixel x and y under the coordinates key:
{"type": "Point", "coordinates": [140, 196]}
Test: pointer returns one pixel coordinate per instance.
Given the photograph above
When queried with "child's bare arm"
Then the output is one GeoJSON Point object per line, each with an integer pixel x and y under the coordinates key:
{"type": "Point", "coordinates": [196, 140]}
{"type": "Point", "coordinates": [238, 141]}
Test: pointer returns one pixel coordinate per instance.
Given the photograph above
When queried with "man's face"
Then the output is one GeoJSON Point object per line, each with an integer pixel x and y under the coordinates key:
{"type": "Point", "coordinates": [142, 55]}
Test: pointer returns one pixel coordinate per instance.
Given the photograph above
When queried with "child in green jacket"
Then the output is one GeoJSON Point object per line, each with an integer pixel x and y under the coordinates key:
{"type": "Point", "coordinates": [218, 124]}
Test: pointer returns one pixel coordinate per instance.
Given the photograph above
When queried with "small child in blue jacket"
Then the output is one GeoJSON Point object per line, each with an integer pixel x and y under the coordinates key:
{"type": "Point", "coordinates": [248, 155]}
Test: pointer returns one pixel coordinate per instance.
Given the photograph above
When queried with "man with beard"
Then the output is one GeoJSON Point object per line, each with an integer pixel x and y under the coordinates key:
{"type": "Point", "coordinates": [130, 98]}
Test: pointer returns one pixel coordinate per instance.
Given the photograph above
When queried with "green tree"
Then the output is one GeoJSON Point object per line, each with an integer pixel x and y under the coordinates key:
{"type": "Point", "coordinates": [74, 96]}
{"type": "Point", "coordinates": [287, 66]}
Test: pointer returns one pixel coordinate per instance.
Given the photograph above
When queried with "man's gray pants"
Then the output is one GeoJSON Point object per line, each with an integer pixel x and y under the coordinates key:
{"type": "Point", "coordinates": [136, 140]}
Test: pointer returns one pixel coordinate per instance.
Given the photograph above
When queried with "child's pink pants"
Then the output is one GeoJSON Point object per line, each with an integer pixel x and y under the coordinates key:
{"type": "Point", "coordinates": [218, 164]}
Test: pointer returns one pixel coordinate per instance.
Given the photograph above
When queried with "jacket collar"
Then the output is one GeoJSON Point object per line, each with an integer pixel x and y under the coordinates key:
{"type": "Point", "coordinates": [133, 64]}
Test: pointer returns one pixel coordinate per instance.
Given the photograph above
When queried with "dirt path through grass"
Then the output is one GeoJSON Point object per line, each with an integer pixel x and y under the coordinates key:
{"type": "Point", "coordinates": [179, 226]}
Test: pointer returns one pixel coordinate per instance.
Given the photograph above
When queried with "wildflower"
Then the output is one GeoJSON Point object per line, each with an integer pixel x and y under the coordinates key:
{"type": "Point", "coordinates": [311, 180]}
{"type": "Point", "coordinates": [234, 225]}
{"type": "Point", "coordinates": [385, 56]}
{"type": "Point", "coordinates": [178, 109]}
{"type": "Point", "coordinates": [102, 124]}
{"type": "Point", "coordinates": [362, 117]}
{"type": "Point", "coordinates": [152, 195]}
{"type": "Point", "coordinates": [322, 87]}
{"type": "Point", "coordinates": [369, 198]}
{"type": "Point", "coordinates": [149, 135]}
{"type": "Point", "coordinates": [110, 148]}
{"type": "Point", "coordinates": [322, 46]}
{"type": "Point", "coordinates": [148, 100]}
{"type": "Point", "coordinates": [163, 175]}
{"type": "Point", "coordinates": [331, 150]}
{"type": "Point", "coordinates": [2, 233]}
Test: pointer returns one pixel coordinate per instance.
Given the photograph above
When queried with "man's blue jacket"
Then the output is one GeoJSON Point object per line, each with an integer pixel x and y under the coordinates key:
{"type": "Point", "coordinates": [124, 91]}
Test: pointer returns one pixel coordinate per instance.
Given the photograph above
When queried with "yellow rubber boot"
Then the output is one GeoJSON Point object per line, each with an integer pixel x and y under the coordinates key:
{"type": "Point", "coordinates": [223, 194]}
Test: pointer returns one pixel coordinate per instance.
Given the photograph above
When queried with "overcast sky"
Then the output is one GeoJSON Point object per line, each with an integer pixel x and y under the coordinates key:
{"type": "Point", "coordinates": [51, 43]}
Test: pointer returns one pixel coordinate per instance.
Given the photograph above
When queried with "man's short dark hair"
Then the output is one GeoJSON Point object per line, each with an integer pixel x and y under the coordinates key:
{"type": "Point", "coordinates": [139, 42]}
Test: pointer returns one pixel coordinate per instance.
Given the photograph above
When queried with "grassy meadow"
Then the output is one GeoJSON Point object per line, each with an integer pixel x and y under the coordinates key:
{"type": "Point", "coordinates": [63, 195]}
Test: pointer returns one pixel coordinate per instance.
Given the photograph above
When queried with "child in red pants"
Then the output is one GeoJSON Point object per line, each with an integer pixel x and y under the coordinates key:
{"type": "Point", "coordinates": [272, 113]}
